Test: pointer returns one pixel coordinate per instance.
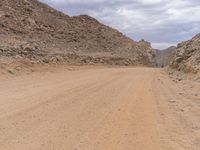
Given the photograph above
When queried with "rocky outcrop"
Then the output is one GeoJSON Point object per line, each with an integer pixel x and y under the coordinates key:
{"type": "Point", "coordinates": [187, 56]}
{"type": "Point", "coordinates": [163, 57]}
{"type": "Point", "coordinates": [35, 31]}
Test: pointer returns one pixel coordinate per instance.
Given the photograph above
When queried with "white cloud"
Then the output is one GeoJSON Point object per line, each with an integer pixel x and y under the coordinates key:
{"type": "Point", "coordinates": [161, 22]}
{"type": "Point", "coordinates": [150, 1]}
{"type": "Point", "coordinates": [163, 45]}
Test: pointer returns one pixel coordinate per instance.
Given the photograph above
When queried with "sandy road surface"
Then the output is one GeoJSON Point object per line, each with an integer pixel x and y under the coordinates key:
{"type": "Point", "coordinates": [99, 109]}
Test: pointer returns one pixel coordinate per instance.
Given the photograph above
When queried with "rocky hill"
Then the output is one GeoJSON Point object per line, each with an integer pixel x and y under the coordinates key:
{"type": "Point", "coordinates": [187, 56]}
{"type": "Point", "coordinates": [163, 57]}
{"type": "Point", "coordinates": [31, 30]}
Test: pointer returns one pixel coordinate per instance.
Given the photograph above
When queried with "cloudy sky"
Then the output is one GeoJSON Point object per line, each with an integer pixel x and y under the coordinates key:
{"type": "Point", "coordinates": [162, 22]}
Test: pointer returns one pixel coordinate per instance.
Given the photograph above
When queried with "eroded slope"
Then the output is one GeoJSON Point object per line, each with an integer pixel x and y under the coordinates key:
{"type": "Point", "coordinates": [34, 31]}
{"type": "Point", "coordinates": [187, 57]}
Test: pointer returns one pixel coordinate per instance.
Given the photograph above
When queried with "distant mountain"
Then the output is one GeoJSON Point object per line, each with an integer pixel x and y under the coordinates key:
{"type": "Point", "coordinates": [163, 57]}
{"type": "Point", "coordinates": [34, 31]}
{"type": "Point", "coordinates": [187, 56]}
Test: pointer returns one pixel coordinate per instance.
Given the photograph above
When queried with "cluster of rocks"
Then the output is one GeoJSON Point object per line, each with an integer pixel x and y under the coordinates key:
{"type": "Point", "coordinates": [30, 52]}
{"type": "Point", "coordinates": [17, 51]}
{"type": "Point", "coordinates": [73, 58]}
{"type": "Point", "coordinates": [187, 56]}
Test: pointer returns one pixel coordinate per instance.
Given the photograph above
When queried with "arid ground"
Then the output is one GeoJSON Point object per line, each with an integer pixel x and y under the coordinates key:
{"type": "Point", "coordinates": [99, 109]}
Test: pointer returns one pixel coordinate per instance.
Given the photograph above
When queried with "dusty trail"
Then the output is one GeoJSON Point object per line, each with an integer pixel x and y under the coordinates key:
{"type": "Point", "coordinates": [98, 109]}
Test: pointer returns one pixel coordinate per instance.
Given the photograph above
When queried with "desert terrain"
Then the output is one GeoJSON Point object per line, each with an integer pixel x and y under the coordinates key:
{"type": "Point", "coordinates": [99, 108]}
{"type": "Point", "coordinates": [74, 83]}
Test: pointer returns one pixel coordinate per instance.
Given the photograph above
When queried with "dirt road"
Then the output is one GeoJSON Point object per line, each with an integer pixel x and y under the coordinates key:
{"type": "Point", "coordinates": [99, 109]}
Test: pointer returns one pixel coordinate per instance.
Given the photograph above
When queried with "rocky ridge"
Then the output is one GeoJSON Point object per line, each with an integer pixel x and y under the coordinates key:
{"type": "Point", "coordinates": [33, 31]}
{"type": "Point", "coordinates": [163, 57]}
{"type": "Point", "coordinates": [187, 56]}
